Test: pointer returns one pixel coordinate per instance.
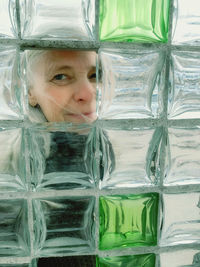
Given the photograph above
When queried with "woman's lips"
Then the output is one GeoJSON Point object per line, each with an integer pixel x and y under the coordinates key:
{"type": "Point", "coordinates": [82, 116]}
{"type": "Point", "coordinates": [89, 114]}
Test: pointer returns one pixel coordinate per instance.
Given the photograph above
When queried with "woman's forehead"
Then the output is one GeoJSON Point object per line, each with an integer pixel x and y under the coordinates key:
{"type": "Point", "coordinates": [55, 61]}
{"type": "Point", "coordinates": [71, 58]}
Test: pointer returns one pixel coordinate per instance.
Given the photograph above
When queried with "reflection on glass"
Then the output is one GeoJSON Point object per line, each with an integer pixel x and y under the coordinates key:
{"type": "Point", "coordinates": [75, 158]}
{"type": "Point", "coordinates": [14, 231]}
{"type": "Point", "coordinates": [63, 225]}
{"type": "Point", "coordinates": [62, 159]}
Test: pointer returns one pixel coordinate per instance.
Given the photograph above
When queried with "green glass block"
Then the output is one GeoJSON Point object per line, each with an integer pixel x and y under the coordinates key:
{"type": "Point", "coordinates": [145, 260]}
{"type": "Point", "coordinates": [134, 20]}
{"type": "Point", "coordinates": [128, 220]}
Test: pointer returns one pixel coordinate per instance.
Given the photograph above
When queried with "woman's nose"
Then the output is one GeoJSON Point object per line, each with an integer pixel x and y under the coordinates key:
{"type": "Point", "coordinates": [85, 91]}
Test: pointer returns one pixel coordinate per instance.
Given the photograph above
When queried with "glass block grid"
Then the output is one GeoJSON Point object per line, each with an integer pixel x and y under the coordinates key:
{"type": "Point", "coordinates": [124, 189]}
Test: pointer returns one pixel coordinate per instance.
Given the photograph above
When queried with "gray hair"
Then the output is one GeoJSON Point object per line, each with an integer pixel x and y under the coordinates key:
{"type": "Point", "coordinates": [32, 57]}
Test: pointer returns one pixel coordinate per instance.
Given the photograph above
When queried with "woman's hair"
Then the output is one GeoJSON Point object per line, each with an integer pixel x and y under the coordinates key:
{"type": "Point", "coordinates": [32, 58]}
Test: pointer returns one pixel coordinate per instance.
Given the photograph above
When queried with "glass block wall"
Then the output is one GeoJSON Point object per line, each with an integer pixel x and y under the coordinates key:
{"type": "Point", "coordinates": [123, 190]}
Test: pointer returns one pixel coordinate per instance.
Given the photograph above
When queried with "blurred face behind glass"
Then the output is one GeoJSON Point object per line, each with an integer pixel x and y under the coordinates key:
{"type": "Point", "coordinates": [64, 86]}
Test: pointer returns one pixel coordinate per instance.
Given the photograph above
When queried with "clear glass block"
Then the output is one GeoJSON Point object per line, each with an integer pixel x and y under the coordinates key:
{"type": "Point", "coordinates": [131, 83]}
{"type": "Point", "coordinates": [8, 22]}
{"type": "Point", "coordinates": [184, 94]}
{"type": "Point", "coordinates": [128, 221]}
{"type": "Point", "coordinates": [12, 160]}
{"type": "Point", "coordinates": [186, 21]}
{"type": "Point", "coordinates": [181, 219]}
{"type": "Point", "coordinates": [33, 263]}
{"type": "Point", "coordinates": [63, 225]}
{"type": "Point", "coordinates": [17, 265]}
{"type": "Point", "coordinates": [69, 20]}
{"type": "Point", "coordinates": [14, 232]}
{"type": "Point", "coordinates": [11, 92]}
{"type": "Point", "coordinates": [181, 258]}
{"type": "Point", "coordinates": [182, 165]}
{"type": "Point", "coordinates": [62, 159]}
{"type": "Point", "coordinates": [130, 157]}
{"type": "Point", "coordinates": [134, 21]}
{"type": "Point", "coordinates": [145, 260]}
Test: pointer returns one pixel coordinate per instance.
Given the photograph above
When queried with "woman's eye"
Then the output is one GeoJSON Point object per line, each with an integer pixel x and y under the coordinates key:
{"type": "Point", "coordinates": [93, 76]}
{"type": "Point", "coordinates": [60, 77]}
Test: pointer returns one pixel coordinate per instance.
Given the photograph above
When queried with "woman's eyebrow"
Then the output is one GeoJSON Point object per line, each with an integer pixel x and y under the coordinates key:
{"type": "Point", "coordinates": [59, 68]}
{"type": "Point", "coordinates": [67, 67]}
{"type": "Point", "coordinates": [52, 68]}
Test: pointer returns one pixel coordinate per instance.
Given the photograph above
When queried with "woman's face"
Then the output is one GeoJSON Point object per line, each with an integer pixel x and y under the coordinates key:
{"type": "Point", "coordinates": [64, 86]}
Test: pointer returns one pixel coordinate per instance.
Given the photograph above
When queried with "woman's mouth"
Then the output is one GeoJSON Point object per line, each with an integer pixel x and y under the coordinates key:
{"type": "Point", "coordinates": [86, 116]}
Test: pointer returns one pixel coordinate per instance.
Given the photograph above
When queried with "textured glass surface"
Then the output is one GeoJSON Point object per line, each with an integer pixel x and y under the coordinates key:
{"type": "Point", "coordinates": [122, 190]}
{"type": "Point", "coordinates": [132, 83]}
{"type": "Point", "coordinates": [17, 265]}
{"type": "Point", "coordinates": [134, 158]}
{"type": "Point", "coordinates": [33, 263]}
{"type": "Point", "coordinates": [133, 20]}
{"type": "Point", "coordinates": [147, 260]}
{"type": "Point", "coordinates": [62, 159]}
{"type": "Point", "coordinates": [14, 232]}
{"type": "Point", "coordinates": [63, 225]}
{"type": "Point", "coordinates": [183, 258]}
{"type": "Point", "coordinates": [8, 22]}
{"type": "Point", "coordinates": [10, 90]}
{"type": "Point", "coordinates": [128, 220]}
{"type": "Point", "coordinates": [183, 156]}
{"type": "Point", "coordinates": [181, 219]}
{"type": "Point", "coordinates": [184, 96]}
{"type": "Point", "coordinates": [52, 19]}
{"type": "Point", "coordinates": [186, 22]}
{"type": "Point", "coordinates": [12, 161]}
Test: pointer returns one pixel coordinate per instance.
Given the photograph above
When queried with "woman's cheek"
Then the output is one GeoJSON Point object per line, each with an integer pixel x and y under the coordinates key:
{"type": "Point", "coordinates": [61, 96]}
